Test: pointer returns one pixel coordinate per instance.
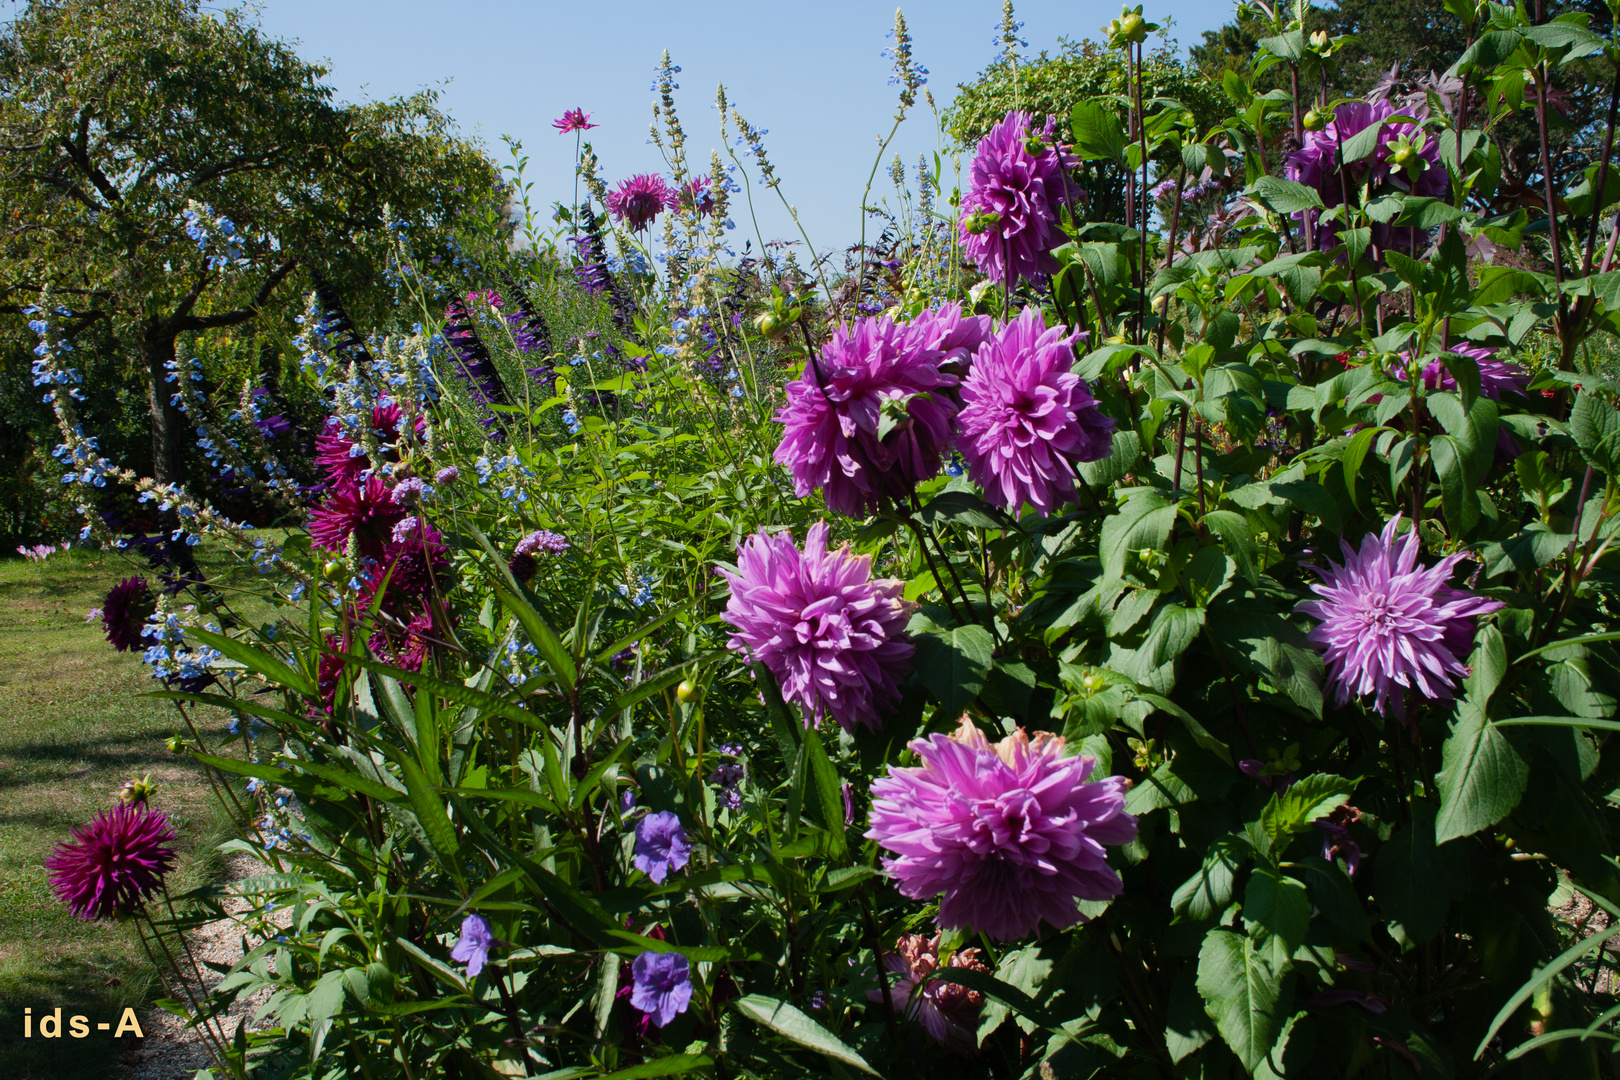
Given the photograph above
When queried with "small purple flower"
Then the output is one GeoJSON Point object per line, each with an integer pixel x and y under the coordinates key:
{"type": "Point", "coordinates": [543, 540]}
{"type": "Point", "coordinates": [660, 846]}
{"type": "Point", "coordinates": [1336, 837]}
{"type": "Point", "coordinates": [663, 986]}
{"type": "Point", "coordinates": [573, 120]}
{"type": "Point", "coordinates": [473, 947]}
{"type": "Point", "coordinates": [1387, 623]}
{"type": "Point", "coordinates": [124, 613]}
{"type": "Point", "coordinates": [447, 475]}
{"type": "Point", "coordinates": [411, 492]}
{"type": "Point", "coordinates": [640, 199]}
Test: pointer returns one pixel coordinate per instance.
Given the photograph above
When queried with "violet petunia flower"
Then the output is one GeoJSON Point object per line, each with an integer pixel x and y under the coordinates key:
{"type": "Point", "coordinates": [114, 863]}
{"type": "Point", "coordinates": [1010, 833]}
{"type": "Point", "coordinates": [1009, 219]}
{"type": "Point", "coordinates": [830, 634]}
{"type": "Point", "coordinates": [638, 200]}
{"type": "Point", "coordinates": [948, 1011]}
{"type": "Point", "coordinates": [573, 120]}
{"type": "Point", "coordinates": [660, 846]}
{"type": "Point", "coordinates": [124, 613]}
{"type": "Point", "coordinates": [1388, 624]}
{"type": "Point", "coordinates": [1026, 419]}
{"type": "Point", "coordinates": [473, 947]}
{"type": "Point", "coordinates": [663, 986]}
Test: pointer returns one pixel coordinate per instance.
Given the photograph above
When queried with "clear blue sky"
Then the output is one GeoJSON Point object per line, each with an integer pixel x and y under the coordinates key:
{"type": "Point", "coordinates": [811, 73]}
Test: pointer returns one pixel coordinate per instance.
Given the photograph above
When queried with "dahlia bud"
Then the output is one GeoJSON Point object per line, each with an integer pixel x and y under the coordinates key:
{"type": "Point", "coordinates": [1402, 153]}
{"type": "Point", "coordinates": [1133, 28]}
{"type": "Point", "coordinates": [978, 224]}
{"type": "Point", "coordinates": [175, 744]}
{"type": "Point", "coordinates": [333, 570]}
{"type": "Point", "coordinates": [1111, 32]}
{"type": "Point", "coordinates": [136, 792]}
{"type": "Point", "coordinates": [1320, 42]}
{"type": "Point", "coordinates": [770, 325]}
{"type": "Point", "coordinates": [1313, 121]}
{"type": "Point", "coordinates": [1034, 146]}
{"type": "Point", "coordinates": [688, 692]}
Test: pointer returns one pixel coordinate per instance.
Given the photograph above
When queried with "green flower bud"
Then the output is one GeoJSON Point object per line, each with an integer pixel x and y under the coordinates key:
{"type": "Point", "coordinates": [135, 792]}
{"type": "Point", "coordinates": [770, 324]}
{"type": "Point", "coordinates": [1314, 121]}
{"type": "Point", "coordinates": [1133, 28]}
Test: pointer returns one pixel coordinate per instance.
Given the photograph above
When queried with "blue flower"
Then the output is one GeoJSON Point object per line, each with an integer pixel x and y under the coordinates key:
{"type": "Point", "coordinates": [473, 947]}
{"type": "Point", "coordinates": [660, 846]}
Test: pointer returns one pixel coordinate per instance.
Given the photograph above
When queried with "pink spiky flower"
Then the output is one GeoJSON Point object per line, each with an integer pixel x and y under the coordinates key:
{"type": "Point", "coordinates": [114, 863]}
{"type": "Point", "coordinates": [573, 120]}
{"type": "Point", "coordinates": [1009, 833]}
{"type": "Point", "coordinates": [1387, 622]}
{"type": "Point", "coordinates": [1026, 419]}
{"type": "Point", "coordinates": [366, 511]}
{"type": "Point", "coordinates": [640, 199]}
{"type": "Point", "coordinates": [335, 452]}
{"type": "Point", "coordinates": [869, 372]}
{"type": "Point", "coordinates": [833, 637]}
{"type": "Point", "coordinates": [1009, 222]}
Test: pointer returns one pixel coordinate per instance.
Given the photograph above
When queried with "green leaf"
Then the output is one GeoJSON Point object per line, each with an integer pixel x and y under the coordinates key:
{"type": "Point", "coordinates": [1362, 143]}
{"type": "Point", "coordinates": [1335, 896]}
{"type": "Point", "coordinates": [1278, 903]}
{"type": "Point", "coordinates": [1144, 520]}
{"type": "Point", "coordinates": [953, 663]}
{"type": "Point", "coordinates": [1285, 196]}
{"type": "Point", "coordinates": [664, 1066]}
{"type": "Point", "coordinates": [1411, 881]}
{"type": "Point", "coordinates": [1098, 134]}
{"type": "Point", "coordinates": [258, 661]}
{"type": "Point", "coordinates": [1355, 454]}
{"type": "Point", "coordinates": [1481, 777]}
{"type": "Point", "coordinates": [1292, 811]}
{"type": "Point", "coordinates": [796, 1027]}
{"type": "Point", "coordinates": [1237, 538]}
{"type": "Point", "coordinates": [429, 809]}
{"type": "Point", "coordinates": [1458, 498]}
{"type": "Point", "coordinates": [1241, 992]}
{"type": "Point", "coordinates": [1113, 468]}
{"type": "Point", "coordinates": [1595, 425]}
{"type": "Point", "coordinates": [829, 797]}
{"type": "Point", "coordinates": [964, 508]}
{"type": "Point", "coordinates": [1206, 894]}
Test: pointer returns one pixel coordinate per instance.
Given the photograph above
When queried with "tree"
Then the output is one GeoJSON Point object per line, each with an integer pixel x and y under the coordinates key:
{"type": "Point", "coordinates": [118, 119]}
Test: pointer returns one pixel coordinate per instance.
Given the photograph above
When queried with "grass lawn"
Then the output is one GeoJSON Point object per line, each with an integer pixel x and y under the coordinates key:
{"type": "Point", "coordinates": [72, 730]}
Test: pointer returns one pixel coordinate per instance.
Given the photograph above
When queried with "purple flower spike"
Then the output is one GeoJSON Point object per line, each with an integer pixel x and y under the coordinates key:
{"type": "Point", "coordinates": [473, 948]}
{"type": "Point", "coordinates": [1026, 418]}
{"type": "Point", "coordinates": [1009, 221]}
{"type": "Point", "coordinates": [660, 846]}
{"type": "Point", "coordinates": [1387, 622]}
{"type": "Point", "coordinates": [114, 863]}
{"type": "Point", "coordinates": [833, 637]}
{"type": "Point", "coordinates": [1010, 833]}
{"type": "Point", "coordinates": [663, 986]}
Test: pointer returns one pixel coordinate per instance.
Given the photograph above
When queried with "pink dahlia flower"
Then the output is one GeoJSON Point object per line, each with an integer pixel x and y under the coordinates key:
{"type": "Point", "coordinates": [114, 863]}
{"type": "Point", "coordinates": [338, 455]}
{"type": "Point", "coordinates": [833, 637]}
{"type": "Point", "coordinates": [1026, 419]}
{"type": "Point", "coordinates": [953, 335]}
{"type": "Point", "coordinates": [366, 511]}
{"type": "Point", "coordinates": [640, 199]}
{"type": "Point", "coordinates": [873, 370]}
{"type": "Point", "coordinates": [1398, 162]}
{"type": "Point", "coordinates": [124, 613]}
{"type": "Point", "coordinates": [698, 195]}
{"type": "Point", "coordinates": [1009, 222]}
{"type": "Point", "coordinates": [1387, 622]}
{"type": "Point", "coordinates": [948, 1011]}
{"type": "Point", "coordinates": [1010, 833]}
{"type": "Point", "coordinates": [573, 120]}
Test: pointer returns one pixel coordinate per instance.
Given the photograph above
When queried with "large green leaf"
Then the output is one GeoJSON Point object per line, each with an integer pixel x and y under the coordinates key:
{"type": "Point", "coordinates": [1098, 134]}
{"type": "Point", "coordinates": [953, 662]}
{"type": "Point", "coordinates": [797, 1027]}
{"type": "Point", "coordinates": [1206, 894]}
{"type": "Point", "coordinates": [1279, 904]}
{"type": "Point", "coordinates": [1481, 777]}
{"type": "Point", "coordinates": [1292, 811]}
{"type": "Point", "coordinates": [1595, 425]}
{"type": "Point", "coordinates": [1144, 521]}
{"type": "Point", "coordinates": [1411, 880]}
{"type": "Point", "coordinates": [1242, 994]}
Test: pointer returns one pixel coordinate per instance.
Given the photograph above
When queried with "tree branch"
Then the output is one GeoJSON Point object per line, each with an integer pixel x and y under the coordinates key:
{"type": "Point", "coordinates": [241, 314]}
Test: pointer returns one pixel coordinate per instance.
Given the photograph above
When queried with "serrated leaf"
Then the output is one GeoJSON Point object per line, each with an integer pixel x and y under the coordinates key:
{"type": "Point", "coordinates": [1242, 993]}
{"type": "Point", "coordinates": [1278, 903]}
{"type": "Point", "coordinates": [952, 662]}
{"type": "Point", "coordinates": [1292, 811]}
{"type": "Point", "coordinates": [1481, 778]}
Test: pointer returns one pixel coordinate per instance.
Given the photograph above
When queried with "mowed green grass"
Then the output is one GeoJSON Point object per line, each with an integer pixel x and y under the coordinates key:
{"type": "Point", "coordinates": [73, 728]}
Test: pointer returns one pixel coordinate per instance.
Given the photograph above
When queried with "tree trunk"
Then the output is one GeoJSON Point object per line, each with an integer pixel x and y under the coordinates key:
{"type": "Point", "coordinates": [168, 423]}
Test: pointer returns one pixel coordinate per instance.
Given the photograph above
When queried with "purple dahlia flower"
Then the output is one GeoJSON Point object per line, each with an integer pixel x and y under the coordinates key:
{"type": "Point", "coordinates": [336, 453]}
{"type": "Point", "coordinates": [573, 120]}
{"type": "Point", "coordinates": [660, 846]}
{"type": "Point", "coordinates": [1010, 833]}
{"type": "Point", "coordinates": [1387, 622]}
{"type": "Point", "coordinates": [114, 863]}
{"type": "Point", "coordinates": [1009, 222]}
{"type": "Point", "coordinates": [640, 199]}
{"type": "Point", "coordinates": [663, 986]}
{"type": "Point", "coordinates": [833, 637]}
{"type": "Point", "coordinates": [124, 613]}
{"type": "Point", "coordinates": [873, 371]}
{"type": "Point", "coordinates": [1495, 376]}
{"type": "Point", "coordinates": [696, 194]}
{"type": "Point", "coordinates": [473, 947]}
{"type": "Point", "coordinates": [1026, 419]}
{"type": "Point", "coordinates": [366, 511]}
{"type": "Point", "coordinates": [948, 1011]}
{"type": "Point", "coordinates": [1406, 158]}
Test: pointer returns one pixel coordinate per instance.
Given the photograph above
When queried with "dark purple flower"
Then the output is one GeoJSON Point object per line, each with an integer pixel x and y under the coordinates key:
{"type": "Point", "coordinates": [871, 417]}
{"type": "Point", "coordinates": [1387, 622]}
{"type": "Point", "coordinates": [663, 986]}
{"type": "Point", "coordinates": [660, 846]}
{"type": "Point", "coordinates": [640, 199]}
{"type": "Point", "coordinates": [543, 540]}
{"type": "Point", "coordinates": [1010, 833]}
{"type": "Point", "coordinates": [1009, 219]}
{"type": "Point", "coordinates": [124, 613]}
{"type": "Point", "coordinates": [696, 194]}
{"type": "Point", "coordinates": [366, 511]}
{"type": "Point", "coordinates": [1336, 836]}
{"type": "Point", "coordinates": [573, 120]}
{"type": "Point", "coordinates": [948, 1011]}
{"type": "Point", "coordinates": [114, 863]}
{"type": "Point", "coordinates": [273, 427]}
{"type": "Point", "coordinates": [1026, 419]}
{"type": "Point", "coordinates": [473, 947]}
{"type": "Point", "coordinates": [833, 637]}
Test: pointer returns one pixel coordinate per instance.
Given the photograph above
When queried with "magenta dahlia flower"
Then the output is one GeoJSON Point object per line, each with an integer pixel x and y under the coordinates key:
{"type": "Point", "coordinates": [1407, 159]}
{"type": "Point", "coordinates": [1387, 622]}
{"type": "Point", "coordinates": [833, 637]}
{"type": "Point", "coordinates": [640, 199]}
{"type": "Point", "coordinates": [124, 613]}
{"type": "Point", "coordinates": [1495, 376]}
{"type": "Point", "coordinates": [1010, 833]}
{"type": "Point", "coordinates": [366, 511]}
{"type": "Point", "coordinates": [1026, 419]}
{"type": "Point", "coordinates": [342, 459]}
{"type": "Point", "coordinates": [696, 193]}
{"type": "Point", "coordinates": [114, 863]}
{"type": "Point", "coordinates": [1009, 222]}
{"type": "Point", "coordinates": [873, 370]}
{"type": "Point", "coordinates": [948, 1011]}
{"type": "Point", "coordinates": [953, 335]}
{"type": "Point", "coordinates": [573, 120]}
